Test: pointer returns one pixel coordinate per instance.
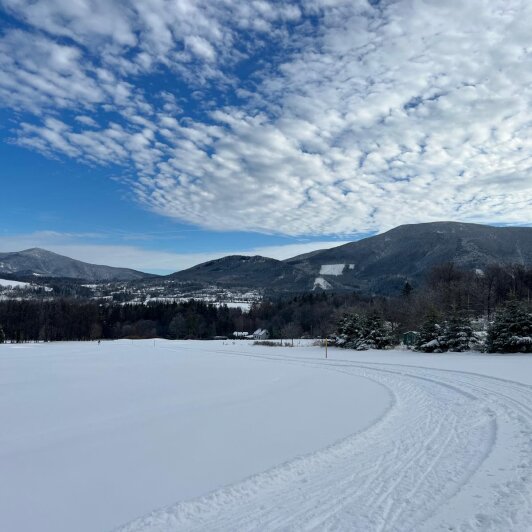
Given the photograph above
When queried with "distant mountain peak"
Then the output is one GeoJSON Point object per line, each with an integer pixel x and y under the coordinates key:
{"type": "Point", "coordinates": [377, 264]}
{"type": "Point", "coordinates": [41, 262]}
{"type": "Point", "coordinates": [37, 252]}
{"type": "Point", "coordinates": [384, 262]}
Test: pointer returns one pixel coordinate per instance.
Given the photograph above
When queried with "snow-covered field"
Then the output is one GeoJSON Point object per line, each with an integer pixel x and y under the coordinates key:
{"type": "Point", "coordinates": [231, 436]}
{"type": "Point", "coordinates": [13, 284]}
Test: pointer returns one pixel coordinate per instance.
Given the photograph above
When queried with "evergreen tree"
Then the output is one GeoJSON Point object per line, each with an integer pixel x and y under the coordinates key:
{"type": "Point", "coordinates": [407, 290]}
{"type": "Point", "coordinates": [375, 333]}
{"type": "Point", "coordinates": [511, 331]}
{"type": "Point", "coordinates": [431, 337]}
{"type": "Point", "coordinates": [459, 335]}
{"type": "Point", "coordinates": [359, 332]}
{"type": "Point", "coordinates": [350, 332]}
{"type": "Point", "coordinates": [2, 335]}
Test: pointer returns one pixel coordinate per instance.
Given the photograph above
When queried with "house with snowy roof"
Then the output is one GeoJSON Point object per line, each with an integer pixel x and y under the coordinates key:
{"type": "Point", "coordinates": [261, 334]}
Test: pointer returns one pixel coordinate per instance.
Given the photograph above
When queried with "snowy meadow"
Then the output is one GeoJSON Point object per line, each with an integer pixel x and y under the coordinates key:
{"type": "Point", "coordinates": [179, 435]}
{"type": "Point", "coordinates": [96, 435]}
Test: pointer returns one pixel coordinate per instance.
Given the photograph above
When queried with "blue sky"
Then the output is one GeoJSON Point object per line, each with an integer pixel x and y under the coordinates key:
{"type": "Point", "coordinates": [157, 134]}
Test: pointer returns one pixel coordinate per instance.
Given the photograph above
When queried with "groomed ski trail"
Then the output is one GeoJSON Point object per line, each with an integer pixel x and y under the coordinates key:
{"type": "Point", "coordinates": [454, 452]}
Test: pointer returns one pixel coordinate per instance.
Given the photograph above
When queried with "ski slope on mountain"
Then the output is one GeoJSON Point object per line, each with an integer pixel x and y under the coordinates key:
{"type": "Point", "coordinates": [231, 436]}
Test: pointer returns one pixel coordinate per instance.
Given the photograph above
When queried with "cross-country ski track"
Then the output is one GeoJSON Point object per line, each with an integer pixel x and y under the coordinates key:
{"type": "Point", "coordinates": [453, 452]}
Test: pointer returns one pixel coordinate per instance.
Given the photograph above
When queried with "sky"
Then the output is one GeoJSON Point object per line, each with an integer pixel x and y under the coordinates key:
{"type": "Point", "coordinates": [156, 134]}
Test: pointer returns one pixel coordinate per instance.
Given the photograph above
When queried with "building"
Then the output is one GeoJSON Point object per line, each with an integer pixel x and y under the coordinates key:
{"type": "Point", "coordinates": [410, 338]}
{"type": "Point", "coordinates": [261, 334]}
{"type": "Point", "coordinates": [240, 334]}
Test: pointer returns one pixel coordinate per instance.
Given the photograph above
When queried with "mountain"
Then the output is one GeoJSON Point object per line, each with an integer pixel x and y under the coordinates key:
{"type": "Point", "coordinates": [383, 263]}
{"type": "Point", "coordinates": [379, 264]}
{"type": "Point", "coordinates": [44, 263]}
{"type": "Point", "coordinates": [244, 272]}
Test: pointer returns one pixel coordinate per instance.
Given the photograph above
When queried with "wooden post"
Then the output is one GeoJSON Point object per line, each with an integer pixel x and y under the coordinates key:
{"type": "Point", "coordinates": [325, 347]}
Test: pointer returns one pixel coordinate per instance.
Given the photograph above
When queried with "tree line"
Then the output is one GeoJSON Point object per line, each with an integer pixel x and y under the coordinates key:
{"type": "Point", "coordinates": [454, 310]}
{"type": "Point", "coordinates": [448, 293]}
{"type": "Point", "coordinates": [510, 331]}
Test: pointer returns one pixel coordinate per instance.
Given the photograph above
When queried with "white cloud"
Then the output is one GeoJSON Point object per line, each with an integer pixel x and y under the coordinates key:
{"type": "Point", "coordinates": [38, 73]}
{"type": "Point", "coordinates": [200, 47]}
{"type": "Point", "coordinates": [87, 120]}
{"type": "Point", "coordinates": [370, 117]}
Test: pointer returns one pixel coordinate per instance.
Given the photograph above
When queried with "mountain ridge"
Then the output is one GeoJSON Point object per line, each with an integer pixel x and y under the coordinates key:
{"type": "Point", "coordinates": [408, 252]}
{"type": "Point", "coordinates": [244, 271]}
{"type": "Point", "coordinates": [379, 264]}
{"type": "Point", "coordinates": [41, 262]}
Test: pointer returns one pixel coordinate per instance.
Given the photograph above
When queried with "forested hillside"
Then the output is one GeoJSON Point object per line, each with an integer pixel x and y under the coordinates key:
{"type": "Point", "coordinates": [449, 290]}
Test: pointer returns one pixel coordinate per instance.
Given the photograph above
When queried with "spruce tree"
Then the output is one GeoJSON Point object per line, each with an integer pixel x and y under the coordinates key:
{"type": "Point", "coordinates": [361, 333]}
{"type": "Point", "coordinates": [407, 290]}
{"type": "Point", "coordinates": [431, 337]}
{"type": "Point", "coordinates": [375, 334]}
{"type": "Point", "coordinates": [458, 334]}
{"type": "Point", "coordinates": [350, 331]}
{"type": "Point", "coordinates": [511, 331]}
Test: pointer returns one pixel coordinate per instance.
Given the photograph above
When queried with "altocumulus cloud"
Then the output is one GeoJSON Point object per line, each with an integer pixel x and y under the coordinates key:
{"type": "Point", "coordinates": [302, 118]}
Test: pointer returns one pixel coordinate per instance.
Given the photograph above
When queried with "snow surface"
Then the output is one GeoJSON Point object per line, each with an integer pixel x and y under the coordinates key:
{"type": "Point", "coordinates": [13, 284]}
{"type": "Point", "coordinates": [320, 282]}
{"type": "Point", "coordinates": [453, 453]}
{"type": "Point", "coordinates": [96, 435]}
{"type": "Point", "coordinates": [332, 269]}
{"type": "Point", "coordinates": [244, 437]}
{"type": "Point", "coordinates": [244, 305]}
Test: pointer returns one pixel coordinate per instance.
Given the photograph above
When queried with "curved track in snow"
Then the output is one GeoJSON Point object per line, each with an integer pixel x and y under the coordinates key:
{"type": "Point", "coordinates": [454, 452]}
